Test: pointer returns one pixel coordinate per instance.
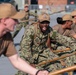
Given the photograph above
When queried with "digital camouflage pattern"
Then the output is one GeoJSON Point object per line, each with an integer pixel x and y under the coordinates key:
{"type": "Point", "coordinates": [57, 46]}
{"type": "Point", "coordinates": [66, 42]}
{"type": "Point", "coordinates": [34, 49]}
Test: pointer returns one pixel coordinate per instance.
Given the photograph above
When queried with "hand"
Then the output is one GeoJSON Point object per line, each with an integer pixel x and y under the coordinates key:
{"type": "Point", "coordinates": [44, 72]}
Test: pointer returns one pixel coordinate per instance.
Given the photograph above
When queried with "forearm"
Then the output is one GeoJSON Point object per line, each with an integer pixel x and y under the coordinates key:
{"type": "Point", "coordinates": [22, 65]}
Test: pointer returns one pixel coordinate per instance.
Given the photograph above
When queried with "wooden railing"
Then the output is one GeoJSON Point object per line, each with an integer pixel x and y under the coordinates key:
{"type": "Point", "coordinates": [68, 69]}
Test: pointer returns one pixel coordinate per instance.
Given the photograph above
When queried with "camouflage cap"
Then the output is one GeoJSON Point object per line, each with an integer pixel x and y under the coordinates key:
{"type": "Point", "coordinates": [44, 17]}
{"type": "Point", "coordinates": [8, 11]}
{"type": "Point", "coordinates": [67, 17]}
{"type": "Point", "coordinates": [73, 13]}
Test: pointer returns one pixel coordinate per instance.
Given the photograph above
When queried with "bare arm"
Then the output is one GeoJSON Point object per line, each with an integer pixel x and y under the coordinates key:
{"type": "Point", "coordinates": [24, 66]}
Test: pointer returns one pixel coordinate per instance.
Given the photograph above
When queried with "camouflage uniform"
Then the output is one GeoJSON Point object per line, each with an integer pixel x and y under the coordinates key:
{"type": "Point", "coordinates": [70, 43]}
{"type": "Point", "coordinates": [34, 49]}
{"type": "Point", "coordinates": [73, 14]}
{"type": "Point", "coordinates": [66, 32]}
{"type": "Point", "coordinates": [23, 24]}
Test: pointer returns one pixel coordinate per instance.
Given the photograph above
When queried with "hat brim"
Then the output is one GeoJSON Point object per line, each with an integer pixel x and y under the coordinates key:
{"type": "Point", "coordinates": [18, 15]}
{"type": "Point", "coordinates": [69, 19]}
{"type": "Point", "coordinates": [26, 6]}
{"type": "Point", "coordinates": [44, 20]}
